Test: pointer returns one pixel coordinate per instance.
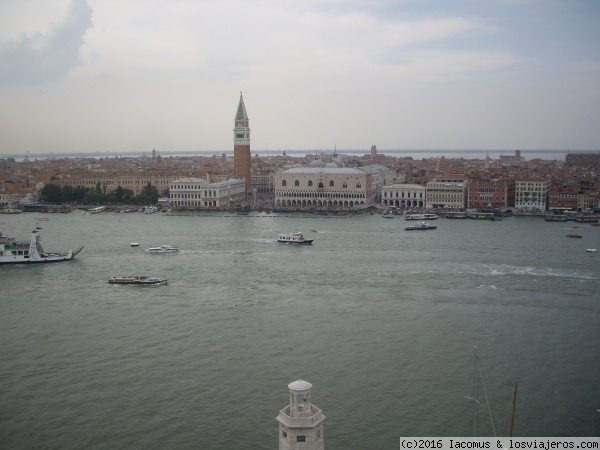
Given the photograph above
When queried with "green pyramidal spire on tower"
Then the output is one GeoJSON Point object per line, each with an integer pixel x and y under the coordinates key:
{"type": "Point", "coordinates": [241, 111]}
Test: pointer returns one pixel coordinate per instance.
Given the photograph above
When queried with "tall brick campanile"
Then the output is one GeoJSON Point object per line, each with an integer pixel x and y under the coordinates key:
{"type": "Point", "coordinates": [241, 146]}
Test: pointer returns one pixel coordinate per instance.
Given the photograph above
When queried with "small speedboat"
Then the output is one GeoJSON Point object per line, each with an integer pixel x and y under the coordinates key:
{"type": "Point", "coordinates": [136, 279]}
{"type": "Point", "coordinates": [591, 250]}
{"type": "Point", "coordinates": [135, 244]}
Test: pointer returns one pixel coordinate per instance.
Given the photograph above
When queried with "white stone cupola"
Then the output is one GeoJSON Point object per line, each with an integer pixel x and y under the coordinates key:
{"type": "Point", "coordinates": [301, 422]}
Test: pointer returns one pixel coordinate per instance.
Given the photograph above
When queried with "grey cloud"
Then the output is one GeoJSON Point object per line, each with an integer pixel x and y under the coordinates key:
{"type": "Point", "coordinates": [40, 58]}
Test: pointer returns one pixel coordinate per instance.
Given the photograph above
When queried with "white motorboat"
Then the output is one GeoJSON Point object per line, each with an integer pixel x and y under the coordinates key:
{"type": "Point", "coordinates": [421, 226]}
{"type": "Point", "coordinates": [422, 217]}
{"type": "Point", "coordinates": [163, 249]}
{"type": "Point", "coordinates": [19, 252]}
{"type": "Point", "coordinates": [135, 244]}
{"type": "Point", "coordinates": [136, 279]}
{"type": "Point", "coordinates": [293, 238]}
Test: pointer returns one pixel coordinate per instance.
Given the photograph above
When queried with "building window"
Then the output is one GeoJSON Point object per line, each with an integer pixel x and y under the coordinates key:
{"type": "Point", "coordinates": [345, 185]}
{"type": "Point", "coordinates": [300, 438]}
{"type": "Point", "coordinates": [309, 183]}
{"type": "Point", "coordinates": [358, 186]}
{"type": "Point", "coordinates": [283, 434]}
{"type": "Point", "coordinates": [320, 184]}
{"type": "Point", "coordinates": [331, 183]}
{"type": "Point", "coordinates": [296, 183]}
{"type": "Point", "coordinates": [284, 183]}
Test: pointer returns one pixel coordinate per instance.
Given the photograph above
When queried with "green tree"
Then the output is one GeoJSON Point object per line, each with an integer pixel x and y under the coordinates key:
{"type": "Point", "coordinates": [149, 194]}
{"type": "Point", "coordinates": [51, 193]}
{"type": "Point", "coordinates": [120, 194]}
{"type": "Point", "coordinates": [79, 193]}
{"type": "Point", "coordinates": [67, 193]}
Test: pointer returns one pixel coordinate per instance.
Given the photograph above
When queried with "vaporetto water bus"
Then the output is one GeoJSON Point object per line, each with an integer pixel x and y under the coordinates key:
{"type": "Point", "coordinates": [421, 226]}
{"type": "Point", "coordinates": [422, 217]}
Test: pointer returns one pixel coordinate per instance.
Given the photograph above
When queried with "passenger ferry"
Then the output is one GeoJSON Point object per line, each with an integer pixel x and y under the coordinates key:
{"type": "Point", "coordinates": [136, 279]}
{"type": "Point", "coordinates": [421, 226]}
{"type": "Point", "coordinates": [293, 238]}
{"type": "Point", "coordinates": [97, 210]}
{"type": "Point", "coordinates": [163, 249]}
{"type": "Point", "coordinates": [18, 252]}
{"type": "Point", "coordinates": [422, 217]}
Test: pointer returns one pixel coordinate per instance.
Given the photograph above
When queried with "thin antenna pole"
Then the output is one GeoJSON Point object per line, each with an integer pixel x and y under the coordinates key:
{"type": "Point", "coordinates": [475, 392]}
{"type": "Point", "coordinates": [512, 419]}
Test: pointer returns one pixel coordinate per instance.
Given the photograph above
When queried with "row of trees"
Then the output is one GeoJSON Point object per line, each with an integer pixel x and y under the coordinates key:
{"type": "Point", "coordinates": [52, 193]}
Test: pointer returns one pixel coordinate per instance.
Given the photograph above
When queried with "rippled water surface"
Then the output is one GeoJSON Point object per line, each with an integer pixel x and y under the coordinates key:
{"type": "Point", "coordinates": [380, 320]}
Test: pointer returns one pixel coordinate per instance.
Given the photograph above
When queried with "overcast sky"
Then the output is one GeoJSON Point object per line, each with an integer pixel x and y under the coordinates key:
{"type": "Point", "coordinates": [138, 75]}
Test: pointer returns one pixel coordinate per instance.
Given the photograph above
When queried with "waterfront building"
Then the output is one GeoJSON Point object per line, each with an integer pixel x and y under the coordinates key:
{"type": "Point", "coordinates": [404, 195]}
{"type": "Point", "coordinates": [109, 182]}
{"type": "Point", "coordinates": [11, 199]}
{"type": "Point", "coordinates": [564, 197]}
{"type": "Point", "coordinates": [532, 193]}
{"type": "Point", "coordinates": [201, 193]}
{"type": "Point", "coordinates": [301, 422]}
{"type": "Point", "coordinates": [241, 146]}
{"type": "Point", "coordinates": [263, 182]}
{"type": "Point", "coordinates": [450, 193]}
{"type": "Point", "coordinates": [491, 193]}
{"type": "Point", "coordinates": [380, 176]}
{"type": "Point", "coordinates": [331, 185]}
{"type": "Point", "coordinates": [588, 199]}
{"type": "Point", "coordinates": [323, 187]}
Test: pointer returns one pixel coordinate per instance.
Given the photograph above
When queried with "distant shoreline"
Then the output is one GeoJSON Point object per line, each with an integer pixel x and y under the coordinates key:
{"type": "Point", "coordinates": [417, 154]}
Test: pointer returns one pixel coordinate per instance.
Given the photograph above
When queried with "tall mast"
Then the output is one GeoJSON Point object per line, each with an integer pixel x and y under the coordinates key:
{"type": "Point", "coordinates": [475, 392]}
{"type": "Point", "coordinates": [512, 418]}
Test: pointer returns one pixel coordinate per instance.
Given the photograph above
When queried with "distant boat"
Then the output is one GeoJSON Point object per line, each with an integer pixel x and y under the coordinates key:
{"type": "Point", "coordinates": [136, 279]}
{"type": "Point", "coordinates": [162, 249]}
{"type": "Point", "coordinates": [97, 210]}
{"type": "Point", "coordinates": [574, 236]}
{"type": "Point", "coordinates": [591, 250]}
{"type": "Point", "coordinates": [135, 244]}
{"type": "Point", "coordinates": [293, 238]}
{"type": "Point", "coordinates": [421, 226]}
{"type": "Point", "coordinates": [422, 217]}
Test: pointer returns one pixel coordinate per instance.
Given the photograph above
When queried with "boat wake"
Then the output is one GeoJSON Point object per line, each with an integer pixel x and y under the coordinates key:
{"type": "Point", "coordinates": [506, 269]}
{"type": "Point", "coordinates": [490, 286]}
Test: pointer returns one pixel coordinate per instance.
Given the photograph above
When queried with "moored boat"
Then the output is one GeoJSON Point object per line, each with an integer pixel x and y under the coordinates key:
{"type": "Point", "coordinates": [293, 238]}
{"type": "Point", "coordinates": [136, 279]}
{"type": "Point", "coordinates": [421, 217]}
{"type": "Point", "coordinates": [421, 226]}
{"type": "Point", "coordinates": [574, 236]}
{"type": "Point", "coordinates": [162, 249]}
{"type": "Point", "coordinates": [13, 251]}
